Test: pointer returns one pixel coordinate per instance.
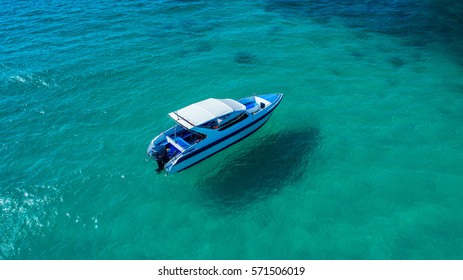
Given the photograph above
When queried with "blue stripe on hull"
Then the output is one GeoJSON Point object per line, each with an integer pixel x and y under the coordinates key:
{"type": "Point", "coordinates": [238, 140]}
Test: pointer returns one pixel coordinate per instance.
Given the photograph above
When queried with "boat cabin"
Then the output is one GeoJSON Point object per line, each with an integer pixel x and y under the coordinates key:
{"type": "Point", "coordinates": [210, 114]}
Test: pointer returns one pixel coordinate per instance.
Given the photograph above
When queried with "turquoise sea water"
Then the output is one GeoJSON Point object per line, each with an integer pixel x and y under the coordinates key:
{"type": "Point", "coordinates": [362, 160]}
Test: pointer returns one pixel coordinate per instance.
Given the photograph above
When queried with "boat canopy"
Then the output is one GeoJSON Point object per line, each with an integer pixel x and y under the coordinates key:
{"type": "Point", "coordinates": [205, 111]}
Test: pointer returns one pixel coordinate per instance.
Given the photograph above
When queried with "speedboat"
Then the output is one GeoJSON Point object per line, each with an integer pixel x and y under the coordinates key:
{"type": "Point", "coordinates": [207, 127]}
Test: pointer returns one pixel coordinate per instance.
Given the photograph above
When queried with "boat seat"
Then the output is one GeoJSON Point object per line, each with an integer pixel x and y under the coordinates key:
{"type": "Point", "coordinates": [182, 142]}
{"type": "Point", "coordinates": [252, 107]}
{"type": "Point", "coordinates": [173, 143]}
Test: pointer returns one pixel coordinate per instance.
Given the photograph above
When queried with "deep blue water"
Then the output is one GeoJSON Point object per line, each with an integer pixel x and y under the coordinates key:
{"type": "Point", "coordinates": [362, 160]}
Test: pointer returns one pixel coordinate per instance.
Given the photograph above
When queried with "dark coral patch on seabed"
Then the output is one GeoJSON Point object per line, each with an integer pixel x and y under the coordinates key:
{"type": "Point", "coordinates": [245, 58]}
{"type": "Point", "coordinates": [397, 62]}
{"type": "Point", "coordinates": [418, 22]}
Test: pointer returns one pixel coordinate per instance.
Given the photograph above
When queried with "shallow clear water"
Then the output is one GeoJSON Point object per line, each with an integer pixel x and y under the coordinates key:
{"type": "Point", "coordinates": [362, 159]}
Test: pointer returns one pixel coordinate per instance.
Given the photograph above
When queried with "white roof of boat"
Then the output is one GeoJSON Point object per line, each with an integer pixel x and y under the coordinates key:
{"type": "Point", "coordinates": [204, 111]}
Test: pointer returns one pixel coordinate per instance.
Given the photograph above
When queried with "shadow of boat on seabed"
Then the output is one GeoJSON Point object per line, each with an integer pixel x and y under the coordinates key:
{"type": "Point", "coordinates": [262, 169]}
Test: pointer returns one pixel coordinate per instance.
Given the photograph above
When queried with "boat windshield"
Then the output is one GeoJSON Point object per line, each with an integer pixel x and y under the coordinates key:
{"type": "Point", "coordinates": [224, 122]}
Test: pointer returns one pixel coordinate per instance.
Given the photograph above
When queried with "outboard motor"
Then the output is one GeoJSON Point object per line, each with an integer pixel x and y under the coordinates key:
{"type": "Point", "coordinates": [160, 155]}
